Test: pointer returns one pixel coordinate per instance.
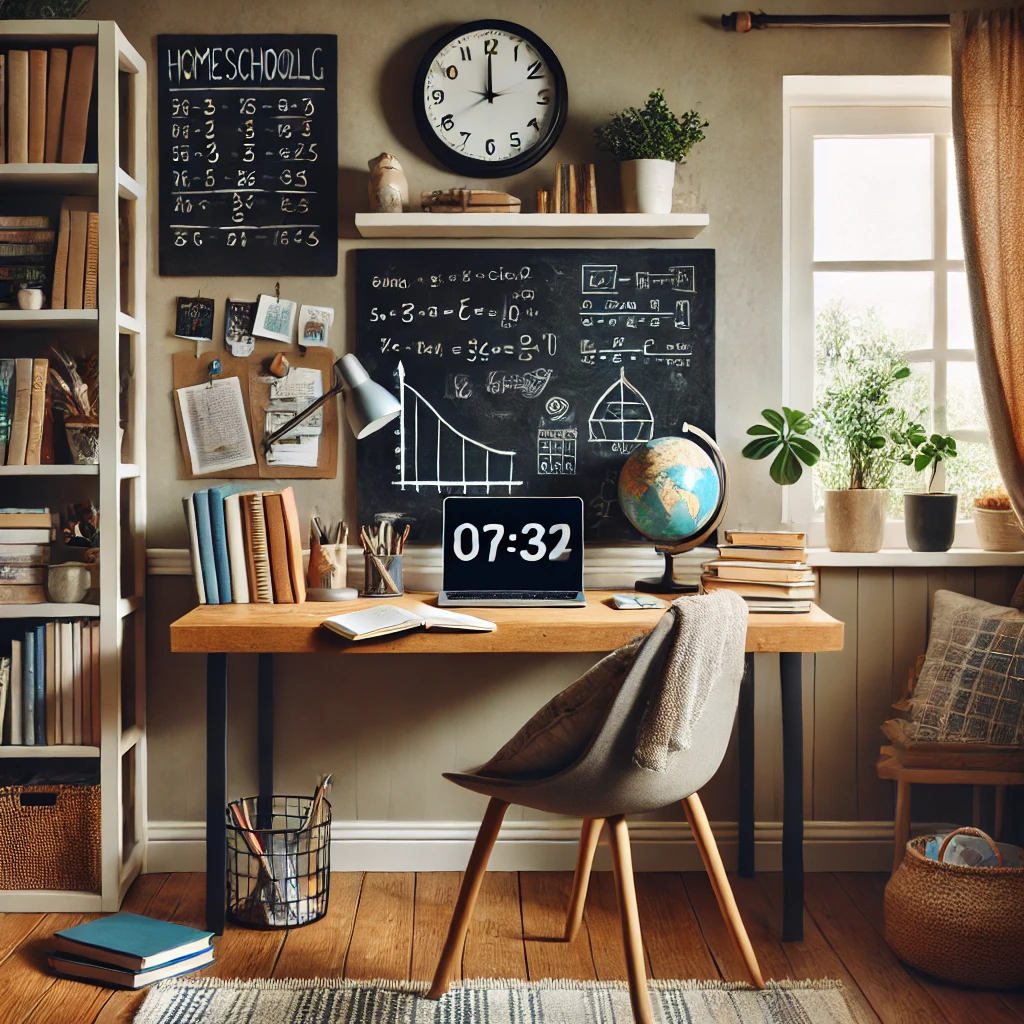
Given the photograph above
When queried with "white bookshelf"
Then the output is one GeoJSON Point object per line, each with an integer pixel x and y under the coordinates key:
{"type": "Point", "coordinates": [116, 331]}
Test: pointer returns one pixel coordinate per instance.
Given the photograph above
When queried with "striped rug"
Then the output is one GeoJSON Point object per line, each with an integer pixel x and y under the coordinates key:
{"type": "Point", "coordinates": [330, 1001]}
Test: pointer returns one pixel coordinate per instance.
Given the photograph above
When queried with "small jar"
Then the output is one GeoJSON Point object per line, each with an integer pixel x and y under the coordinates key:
{"type": "Point", "coordinates": [68, 583]}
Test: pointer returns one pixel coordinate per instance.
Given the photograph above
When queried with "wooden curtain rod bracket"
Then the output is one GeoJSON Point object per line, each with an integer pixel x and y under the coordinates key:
{"type": "Point", "coordinates": [745, 21]}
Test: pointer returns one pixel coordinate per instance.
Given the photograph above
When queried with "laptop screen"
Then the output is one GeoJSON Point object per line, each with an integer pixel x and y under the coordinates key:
{"type": "Point", "coordinates": [531, 544]}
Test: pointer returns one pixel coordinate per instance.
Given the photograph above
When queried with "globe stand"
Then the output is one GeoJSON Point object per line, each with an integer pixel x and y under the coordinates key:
{"type": "Point", "coordinates": [667, 584]}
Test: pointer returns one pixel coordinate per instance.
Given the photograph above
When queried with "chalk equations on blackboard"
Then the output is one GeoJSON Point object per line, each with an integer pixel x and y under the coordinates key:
{"type": "Point", "coordinates": [556, 452]}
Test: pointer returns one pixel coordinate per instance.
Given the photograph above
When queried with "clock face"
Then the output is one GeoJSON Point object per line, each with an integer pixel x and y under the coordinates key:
{"type": "Point", "coordinates": [490, 99]}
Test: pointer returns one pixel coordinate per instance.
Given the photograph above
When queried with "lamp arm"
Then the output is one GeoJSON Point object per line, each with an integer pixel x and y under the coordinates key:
{"type": "Point", "coordinates": [271, 439]}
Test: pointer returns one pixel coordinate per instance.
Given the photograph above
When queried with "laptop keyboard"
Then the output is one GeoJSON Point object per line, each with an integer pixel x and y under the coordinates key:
{"type": "Point", "coordinates": [512, 595]}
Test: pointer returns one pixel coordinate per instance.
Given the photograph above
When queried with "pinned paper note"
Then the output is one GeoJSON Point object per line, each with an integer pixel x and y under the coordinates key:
{"type": "Point", "coordinates": [275, 319]}
{"type": "Point", "coordinates": [216, 428]}
{"type": "Point", "coordinates": [315, 325]}
{"type": "Point", "coordinates": [288, 396]}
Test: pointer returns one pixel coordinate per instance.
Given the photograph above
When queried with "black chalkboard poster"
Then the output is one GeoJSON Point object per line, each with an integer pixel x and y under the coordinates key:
{"type": "Point", "coordinates": [529, 371]}
{"type": "Point", "coordinates": [248, 130]}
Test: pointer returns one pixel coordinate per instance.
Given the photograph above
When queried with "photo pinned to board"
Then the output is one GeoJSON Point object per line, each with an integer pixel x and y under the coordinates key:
{"type": "Point", "coordinates": [239, 318]}
{"type": "Point", "coordinates": [193, 318]}
{"type": "Point", "coordinates": [315, 325]}
{"type": "Point", "coordinates": [275, 319]}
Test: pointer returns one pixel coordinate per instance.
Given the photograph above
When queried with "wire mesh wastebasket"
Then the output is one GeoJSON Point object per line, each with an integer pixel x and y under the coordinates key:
{"type": "Point", "coordinates": [279, 870]}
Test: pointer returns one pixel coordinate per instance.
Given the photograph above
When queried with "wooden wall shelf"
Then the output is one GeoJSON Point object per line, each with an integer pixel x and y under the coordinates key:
{"type": "Point", "coordinates": [531, 225]}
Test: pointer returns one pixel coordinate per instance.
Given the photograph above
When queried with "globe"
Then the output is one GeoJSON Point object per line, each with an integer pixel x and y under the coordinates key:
{"type": "Point", "coordinates": [670, 489]}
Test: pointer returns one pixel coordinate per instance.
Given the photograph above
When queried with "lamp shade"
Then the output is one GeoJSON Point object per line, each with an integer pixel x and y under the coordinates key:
{"type": "Point", "coordinates": [368, 406]}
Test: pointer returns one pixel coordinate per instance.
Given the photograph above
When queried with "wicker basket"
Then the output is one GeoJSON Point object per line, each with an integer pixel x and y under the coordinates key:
{"type": "Point", "coordinates": [958, 923]}
{"type": "Point", "coordinates": [50, 837]}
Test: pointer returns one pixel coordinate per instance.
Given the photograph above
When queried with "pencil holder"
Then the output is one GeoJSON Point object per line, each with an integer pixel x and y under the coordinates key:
{"type": "Point", "coordinates": [383, 576]}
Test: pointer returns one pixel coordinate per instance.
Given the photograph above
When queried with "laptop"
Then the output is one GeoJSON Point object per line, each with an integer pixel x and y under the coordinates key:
{"type": "Point", "coordinates": [513, 552]}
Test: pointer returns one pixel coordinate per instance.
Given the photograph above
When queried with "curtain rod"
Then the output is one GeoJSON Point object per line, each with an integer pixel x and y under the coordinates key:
{"type": "Point", "coordinates": [745, 21]}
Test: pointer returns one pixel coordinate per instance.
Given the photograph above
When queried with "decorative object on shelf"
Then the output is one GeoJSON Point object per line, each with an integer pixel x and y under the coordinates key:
{"type": "Point", "coordinates": [675, 491]}
{"type": "Point", "coordinates": [68, 583]}
{"type": "Point", "coordinates": [469, 200]}
{"type": "Point", "coordinates": [930, 517]}
{"type": "Point", "coordinates": [783, 431]}
{"type": "Point", "coordinates": [388, 188]}
{"type": "Point", "coordinates": [997, 524]}
{"type": "Point", "coordinates": [648, 143]}
{"type": "Point", "coordinates": [855, 420]}
{"type": "Point", "coordinates": [542, 200]}
{"type": "Point", "coordinates": [575, 189]}
{"type": "Point", "coordinates": [193, 318]}
{"type": "Point", "coordinates": [82, 525]}
{"type": "Point", "coordinates": [31, 298]}
{"type": "Point", "coordinates": [315, 325]}
{"type": "Point", "coordinates": [327, 574]}
{"type": "Point", "coordinates": [490, 99]}
{"type": "Point", "coordinates": [275, 319]}
{"type": "Point", "coordinates": [83, 440]}
{"type": "Point", "coordinates": [239, 318]}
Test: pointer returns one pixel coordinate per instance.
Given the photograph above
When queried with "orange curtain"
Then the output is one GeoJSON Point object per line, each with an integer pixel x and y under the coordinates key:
{"type": "Point", "coordinates": [988, 139]}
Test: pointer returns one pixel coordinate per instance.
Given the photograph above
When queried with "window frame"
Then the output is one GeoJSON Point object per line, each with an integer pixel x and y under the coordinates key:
{"type": "Point", "coordinates": [843, 106]}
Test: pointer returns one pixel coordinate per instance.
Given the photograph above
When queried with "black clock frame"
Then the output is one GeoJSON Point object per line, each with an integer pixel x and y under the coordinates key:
{"type": "Point", "coordinates": [470, 166]}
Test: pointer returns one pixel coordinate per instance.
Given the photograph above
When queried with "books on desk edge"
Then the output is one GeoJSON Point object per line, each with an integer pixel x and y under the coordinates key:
{"type": "Point", "coordinates": [385, 619]}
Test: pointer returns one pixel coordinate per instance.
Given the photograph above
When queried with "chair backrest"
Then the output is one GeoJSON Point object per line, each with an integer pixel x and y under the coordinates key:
{"type": "Point", "coordinates": [604, 781]}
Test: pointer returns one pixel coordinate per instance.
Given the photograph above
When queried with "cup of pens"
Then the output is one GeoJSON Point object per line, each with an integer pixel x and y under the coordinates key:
{"type": "Point", "coordinates": [382, 557]}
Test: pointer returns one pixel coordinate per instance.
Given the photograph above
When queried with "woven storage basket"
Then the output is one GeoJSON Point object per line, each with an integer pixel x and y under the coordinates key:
{"type": "Point", "coordinates": [50, 837]}
{"type": "Point", "coordinates": [961, 924]}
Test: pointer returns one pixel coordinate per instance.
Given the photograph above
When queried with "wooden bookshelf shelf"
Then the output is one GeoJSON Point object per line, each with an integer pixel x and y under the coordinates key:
{"type": "Point", "coordinates": [51, 319]}
{"type": "Point", "coordinates": [55, 750]}
{"type": "Point", "coordinates": [74, 179]}
{"type": "Point", "coordinates": [49, 610]}
{"type": "Point", "coordinates": [531, 225]}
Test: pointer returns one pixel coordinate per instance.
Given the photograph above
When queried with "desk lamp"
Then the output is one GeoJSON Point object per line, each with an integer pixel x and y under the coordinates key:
{"type": "Point", "coordinates": [368, 407]}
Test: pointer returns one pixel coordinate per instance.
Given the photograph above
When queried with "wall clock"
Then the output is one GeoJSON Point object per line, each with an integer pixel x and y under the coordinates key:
{"type": "Point", "coordinates": [490, 99]}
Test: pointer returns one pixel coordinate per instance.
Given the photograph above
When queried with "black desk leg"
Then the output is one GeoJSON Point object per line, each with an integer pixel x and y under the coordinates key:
{"type": "Point", "coordinates": [216, 789]}
{"type": "Point", "coordinates": [792, 798]}
{"type": "Point", "coordinates": [265, 739]}
{"type": "Point", "coordinates": [745, 738]}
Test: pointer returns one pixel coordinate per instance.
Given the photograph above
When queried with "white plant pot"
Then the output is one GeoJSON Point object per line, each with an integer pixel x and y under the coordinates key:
{"type": "Point", "coordinates": [647, 185]}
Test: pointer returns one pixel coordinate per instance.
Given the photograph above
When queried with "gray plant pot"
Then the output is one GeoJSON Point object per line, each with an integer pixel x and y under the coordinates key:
{"type": "Point", "coordinates": [930, 520]}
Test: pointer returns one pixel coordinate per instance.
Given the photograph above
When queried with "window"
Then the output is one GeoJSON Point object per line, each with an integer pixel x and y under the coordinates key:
{"type": "Point", "coordinates": [873, 256]}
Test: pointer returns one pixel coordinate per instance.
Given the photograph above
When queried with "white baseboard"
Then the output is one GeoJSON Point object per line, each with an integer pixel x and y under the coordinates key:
{"type": "Point", "coordinates": [547, 846]}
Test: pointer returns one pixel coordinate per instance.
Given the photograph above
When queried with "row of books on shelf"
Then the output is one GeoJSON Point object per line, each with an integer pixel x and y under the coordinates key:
{"type": "Point", "coordinates": [768, 570]}
{"type": "Point", "coordinates": [25, 536]}
{"type": "Point", "coordinates": [48, 94]}
{"type": "Point", "coordinates": [49, 684]}
{"type": "Point", "coordinates": [246, 546]}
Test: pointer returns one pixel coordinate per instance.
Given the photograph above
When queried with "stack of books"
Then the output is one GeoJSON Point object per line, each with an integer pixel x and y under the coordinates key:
{"type": "Point", "coordinates": [24, 422]}
{"type": "Point", "coordinates": [575, 189]}
{"type": "Point", "coordinates": [26, 250]}
{"type": "Point", "coordinates": [48, 94]}
{"type": "Point", "coordinates": [76, 261]}
{"type": "Point", "coordinates": [768, 570]}
{"type": "Point", "coordinates": [25, 535]}
{"type": "Point", "coordinates": [246, 546]}
{"type": "Point", "coordinates": [130, 951]}
{"type": "Point", "coordinates": [50, 684]}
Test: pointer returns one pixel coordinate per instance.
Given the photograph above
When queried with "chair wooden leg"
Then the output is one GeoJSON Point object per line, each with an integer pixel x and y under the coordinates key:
{"type": "Point", "coordinates": [901, 824]}
{"type": "Point", "coordinates": [997, 828]}
{"type": "Point", "coordinates": [709, 854]}
{"type": "Point", "coordinates": [471, 881]}
{"type": "Point", "coordinates": [590, 834]}
{"type": "Point", "coordinates": [629, 918]}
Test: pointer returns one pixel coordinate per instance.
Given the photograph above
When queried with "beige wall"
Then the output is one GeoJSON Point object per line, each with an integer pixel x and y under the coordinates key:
{"type": "Point", "coordinates": [388, 734]}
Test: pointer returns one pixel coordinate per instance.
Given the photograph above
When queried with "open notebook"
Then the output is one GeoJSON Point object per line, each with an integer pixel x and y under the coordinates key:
{"type": "Point", "coordinates": [390, 618]}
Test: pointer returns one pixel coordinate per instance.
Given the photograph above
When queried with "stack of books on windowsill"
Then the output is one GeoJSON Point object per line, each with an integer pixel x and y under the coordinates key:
{"type": "Point", "coordinates": [768, 570]}
{"type": "Point", "coordinates": [130, 951]}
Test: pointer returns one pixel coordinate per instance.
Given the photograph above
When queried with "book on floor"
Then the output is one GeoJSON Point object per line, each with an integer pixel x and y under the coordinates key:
{"type": "Point", "coordinates": [385, 619]}
{"type": "Point", "coordinates": [88, 970]}
{"type": "Point", "coordinates": [131, 942]}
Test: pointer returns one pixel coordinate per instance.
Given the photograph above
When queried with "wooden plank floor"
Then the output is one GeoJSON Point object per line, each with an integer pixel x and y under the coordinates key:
{"type": "Point", "coordinates": [391, 925]}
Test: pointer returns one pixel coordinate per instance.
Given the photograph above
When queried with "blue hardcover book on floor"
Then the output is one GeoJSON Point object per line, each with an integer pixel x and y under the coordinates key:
{"type": "Point", "coordinates": [89, 970]}
{"type": "Point", "coordinates": [220, 540]}
{"type": "Point", "coordinates": [28, 688]}
{"type": "Point", "coordinates": [204, 529]}
{"type": "Point", "coordinates": [41, 686]}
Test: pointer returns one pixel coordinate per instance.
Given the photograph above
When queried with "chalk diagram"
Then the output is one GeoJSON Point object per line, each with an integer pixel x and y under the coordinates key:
{"type": "Point", "coordinates": [603, 279]}
{"type": "Point", "coordinates": [556, 452]}
{"type": "Point", "coordinates": [433, 453]}
{"type": "Point", "coordinates": [557, 407]}
{"type": "Point", "coordinates": [621, 414]}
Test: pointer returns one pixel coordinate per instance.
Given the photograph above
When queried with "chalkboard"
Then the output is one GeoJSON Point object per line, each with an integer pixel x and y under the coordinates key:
{"type": "Point", "coordinates": [248, 130]}
{"type": "Point", "coordinates": [529, 371]}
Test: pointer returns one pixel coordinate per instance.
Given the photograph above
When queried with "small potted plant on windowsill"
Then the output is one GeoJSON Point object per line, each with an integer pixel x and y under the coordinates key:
{"type": "Point", "coordinates": [648, 143]}
{"type": "Point", "coordinates": [929, 516]}
{"type": "Point", "coordinates": [996, 522]}
{"type": "Point", "coordinates": [855, 420]}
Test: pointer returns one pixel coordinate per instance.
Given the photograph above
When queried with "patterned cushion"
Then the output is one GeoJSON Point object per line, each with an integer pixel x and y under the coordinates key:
{"type": "Point", "coordinates": [971, 688]}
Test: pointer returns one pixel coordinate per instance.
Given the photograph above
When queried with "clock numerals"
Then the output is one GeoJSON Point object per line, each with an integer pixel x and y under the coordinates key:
{"type": "Point", "coordinates": [490, 147]}
{"type": "Point", "coordinates": [438, 97]}
{"type": "Point", "coordinates": [467, 547]}
{"type": "Point", "coordinates": [543, 97]}
{"type": "Point", "coordinates": [514, 141]}
{"type": "Point", "coordinates": [536, 70]}
{"type": "Point", "coordinates": [532, 123]}
{"type": "Point", "coordinates": [490, 46]}
{"type": "Point", "coordinates": [465, 139]}
{"type": "Point", "coordinates": [466, 53]}
{"type": "Point", "coordinates": [447, 122]}
{"type": "Point", "coordinates": [451, 72]}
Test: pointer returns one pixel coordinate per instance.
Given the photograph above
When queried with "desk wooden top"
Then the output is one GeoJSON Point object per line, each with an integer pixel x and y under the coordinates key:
{"type": "Point", "coordinates": [295, 629]}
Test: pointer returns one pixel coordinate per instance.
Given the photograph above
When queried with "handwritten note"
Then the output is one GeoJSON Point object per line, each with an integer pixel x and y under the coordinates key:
{"type": "Point", "coordinates": [216, 427]}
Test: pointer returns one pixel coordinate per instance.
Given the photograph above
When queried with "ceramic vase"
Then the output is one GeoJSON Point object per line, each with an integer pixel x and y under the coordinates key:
{"type": "Point", "coordinates": [647, 185]}
{"type": "Point", "coordinates": [68, 583]}
{"type": "Point", "coordinates": [855, 519]}
{"type": "Point", "coordinates": [30, 298]}
{"type": "Point", "coordinates": [388, 189]}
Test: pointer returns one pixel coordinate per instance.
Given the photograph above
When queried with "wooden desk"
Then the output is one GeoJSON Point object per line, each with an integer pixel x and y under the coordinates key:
{"type": "Point", "coordinates": [220, 630]}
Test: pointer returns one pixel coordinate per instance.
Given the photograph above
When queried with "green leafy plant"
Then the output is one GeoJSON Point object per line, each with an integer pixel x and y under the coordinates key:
{"type": "Point", "coordinates": [922, 451]}
{"type": "Point", "coordinates": [783, 432]}
{"type": "Point", "coordinates": [856, 419]}
{"type": "Point", "coordinates": [651, 133]}
{"type": "Point", "coordinates": [39, 9]}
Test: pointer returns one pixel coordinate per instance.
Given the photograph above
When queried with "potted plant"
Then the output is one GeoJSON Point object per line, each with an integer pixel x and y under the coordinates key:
{"type": "Point", "coordinates": [929, 516]}
{"type": "Point", "coordinates": [783, 432]}
{"type": "Point", "coordinates": [648, 143]}
{"type": "Point", "coordinates": [855, 420]}
{"type": "Point", "coordinates": [997, 523]}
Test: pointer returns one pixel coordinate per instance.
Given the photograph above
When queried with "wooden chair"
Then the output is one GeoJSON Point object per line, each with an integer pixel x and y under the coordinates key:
{"type": "Point", "coordinates": [602, 786]}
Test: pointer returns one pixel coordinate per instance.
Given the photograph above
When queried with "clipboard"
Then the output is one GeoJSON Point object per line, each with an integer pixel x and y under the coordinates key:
{"type": "Point", "coordinates": [188, 371]}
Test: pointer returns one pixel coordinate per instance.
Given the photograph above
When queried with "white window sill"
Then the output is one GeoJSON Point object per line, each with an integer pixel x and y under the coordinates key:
{"type": "Point", "coordinates": [904, 558]}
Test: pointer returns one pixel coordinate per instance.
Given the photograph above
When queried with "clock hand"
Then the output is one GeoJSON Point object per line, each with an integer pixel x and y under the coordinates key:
{"type": "Point", "coordinates": [490, 81]}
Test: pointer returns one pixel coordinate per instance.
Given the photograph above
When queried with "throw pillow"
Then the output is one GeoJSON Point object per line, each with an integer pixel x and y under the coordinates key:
{"type": "Point", "coordinates": [971, 688]}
